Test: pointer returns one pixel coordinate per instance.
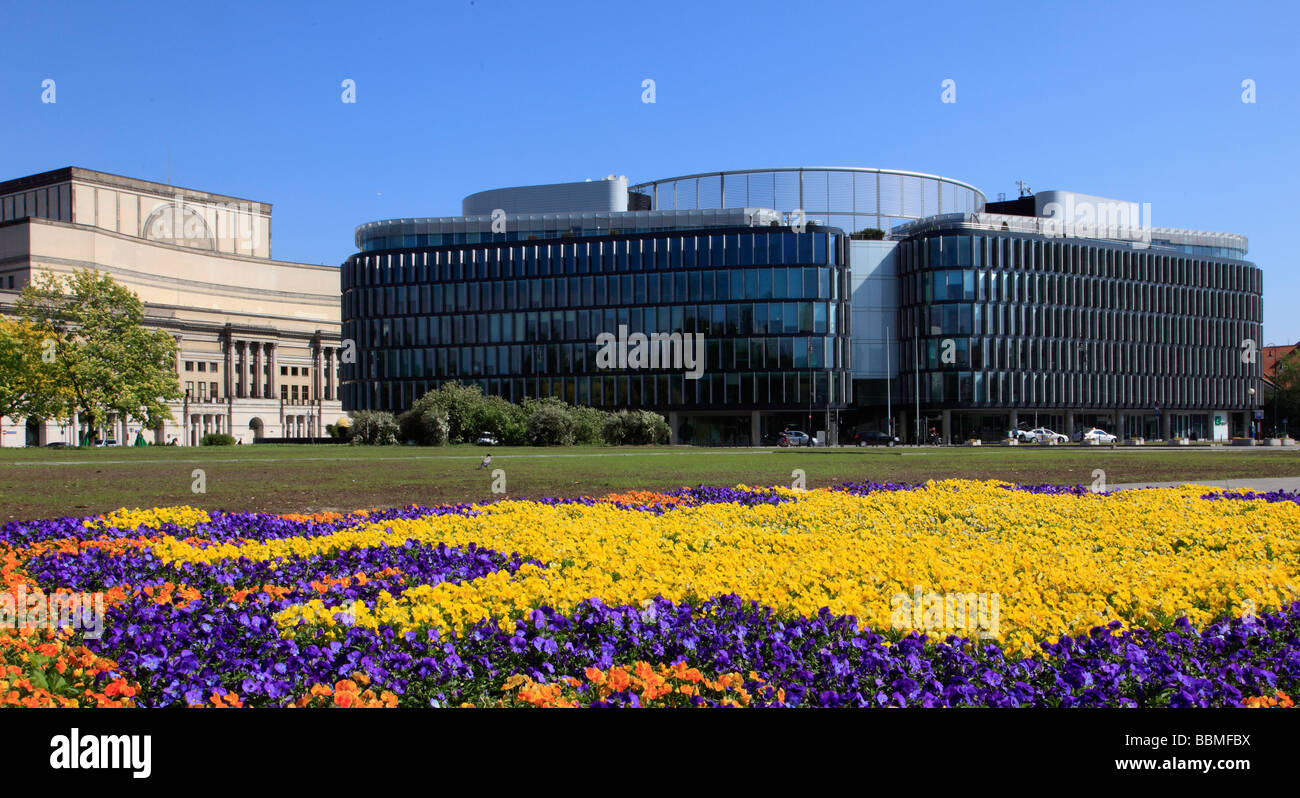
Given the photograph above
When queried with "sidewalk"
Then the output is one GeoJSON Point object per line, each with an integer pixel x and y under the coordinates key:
{"type": "Point", "coordinates": [1260, 484]}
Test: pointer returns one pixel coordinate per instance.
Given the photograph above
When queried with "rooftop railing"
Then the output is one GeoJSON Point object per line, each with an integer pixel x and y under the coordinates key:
{"type": "Point", "coordinates": [1141, 236]}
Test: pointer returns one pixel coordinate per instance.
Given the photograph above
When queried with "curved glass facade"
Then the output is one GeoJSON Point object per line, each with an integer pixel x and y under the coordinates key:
{"type": "Point", "coordinates": [522, 319]}
{"type": "Point", "coordinates": [1007, 321]}
{"type": "Point", "coordinates": [849, 198]}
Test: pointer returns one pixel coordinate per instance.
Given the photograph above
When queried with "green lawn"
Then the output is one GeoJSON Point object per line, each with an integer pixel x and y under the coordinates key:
{"type": "Point", "coordinates": [39, 483]}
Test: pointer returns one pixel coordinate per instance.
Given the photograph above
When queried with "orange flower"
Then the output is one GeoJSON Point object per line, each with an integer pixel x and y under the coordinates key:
{"type": "Point", "coordinates": [618, 680]}
{"type": "Point", "coordinates": [345, 699]}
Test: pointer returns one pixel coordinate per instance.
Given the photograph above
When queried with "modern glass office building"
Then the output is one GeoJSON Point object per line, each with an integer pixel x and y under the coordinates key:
{"type": "Point", "coordinates": [832, 299]}
{"type": "Point", "coordinates": [1008, 321]}
{"type": "Point", "coordinates": [730, 323]}
{"type": "Point", "coordinates": [850, 198]}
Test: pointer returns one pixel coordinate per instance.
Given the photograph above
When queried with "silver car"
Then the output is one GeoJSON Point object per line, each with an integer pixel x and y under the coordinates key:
{"type": "Point", "coordinates": [1039, 434]}
{"type": "Point", "coordinates": [1094, 434]}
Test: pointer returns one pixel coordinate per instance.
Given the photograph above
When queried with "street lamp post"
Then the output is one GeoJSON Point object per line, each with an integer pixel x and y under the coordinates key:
{"type": "Point", "coordinates": [1272, 348]}
{"type": "Point", "coordinates": [889, 399]}
{"type": "Point", "coordinates": [916, 373]}
{"type": "Point", "coordinates": [1254, 427]}
{"type": "Point", "coordinates": [812, 386]}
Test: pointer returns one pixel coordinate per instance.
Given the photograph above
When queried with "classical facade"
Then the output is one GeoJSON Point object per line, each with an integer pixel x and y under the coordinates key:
{"type": "Point", "coordinates": [258, 338]}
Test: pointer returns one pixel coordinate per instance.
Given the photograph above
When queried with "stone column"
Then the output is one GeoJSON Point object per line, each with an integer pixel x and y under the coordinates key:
{"type": "Point", "coordinates": [228, 367]}
{"type": "Point", "coordinates": [180, 358]}
{"type": "Point", "coordinates": [947, 426]}
{"type": "Point", "coordinates": [1015, 421]}
{"type": "Point", "coordinates": [238, 381]}
{"type": "Point", "coordinates": [317, 374]}
{"type": "Point", "coordinates": [255, 377]}
{"type": "Point", "coordinates": [328, 365]}
{"type": "Point", "coordinates": [672, 427]}
{"type": "Point", "coordinates": [1166, 425]}
{"type": "Point", "coordinates": [755, 429]}
{"type": "Point", "coordinates": [271, 382]}
{"type": "Point", "coordinates": [1069, 423]}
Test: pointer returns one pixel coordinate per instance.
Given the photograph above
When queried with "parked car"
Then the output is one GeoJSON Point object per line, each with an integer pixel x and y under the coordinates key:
{"type": "Point", "coordinates": [486, 439]}
{"type": "Point", "coordinates": [794, 437]}
{"type": "Point", "coordinates": [875, 438]}
{"type": "Point", "coordinates": [1042, 434]}
{"type": "Point", "coordinates": [1094, 434]}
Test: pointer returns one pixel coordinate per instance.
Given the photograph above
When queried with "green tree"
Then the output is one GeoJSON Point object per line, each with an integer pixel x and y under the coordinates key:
{"type": "Point", "coordinates": [107, 360]}
{"type": "Point", "coordinates": [373, 428]}
{"type": "Point", "coordinates": [461, 404]}
{"type": "Point", "coordinates": [424, 424]}
{"type": "Point", "coordinates": [31, 382]}
{"type": "Point", "coordinates": [588, 425]}
{"type": "Point", "coordinates": [635, 428]}
{"type": "Point", "coordinates": [549, 423]}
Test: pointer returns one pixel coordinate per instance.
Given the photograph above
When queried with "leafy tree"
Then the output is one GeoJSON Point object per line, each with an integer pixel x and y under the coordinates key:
{"type": "Point", "coordinates": [461, 404]}
{"type": "Point", "coordinates": [502, 418]}
{"type": "Point", "coordinates": [549, 424]}
{"type": "Point", "coordinates": [31, 381]}
{"type": "Point", "coordinates": [425, 425]}
{"type": "Point", "coordinates": [635, 428]}
{"type": "Point", "coordinates": [373, 428]}
{"type": "Point", "coordinates": [107, 360]}
{"type": "Point", "coordinates": [588, 425]}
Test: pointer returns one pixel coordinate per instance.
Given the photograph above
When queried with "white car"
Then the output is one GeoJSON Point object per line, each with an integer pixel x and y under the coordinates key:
{"type": "Point", "coordinates": [1094, 434]}
{"type": "Point", "coordinates": [1042, 434]}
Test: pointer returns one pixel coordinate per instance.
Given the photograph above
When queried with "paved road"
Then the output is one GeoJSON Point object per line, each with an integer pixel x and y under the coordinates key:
{"type": "Point", "coordinates": [1262, 484]}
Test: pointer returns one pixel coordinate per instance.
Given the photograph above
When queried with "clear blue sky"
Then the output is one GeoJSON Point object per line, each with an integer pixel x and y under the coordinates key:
{"type": "Point", "coordinates": [1139, 101]}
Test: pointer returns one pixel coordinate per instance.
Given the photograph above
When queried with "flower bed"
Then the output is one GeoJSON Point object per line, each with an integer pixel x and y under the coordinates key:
{"type": "Point", "coordinates": [701, 596]}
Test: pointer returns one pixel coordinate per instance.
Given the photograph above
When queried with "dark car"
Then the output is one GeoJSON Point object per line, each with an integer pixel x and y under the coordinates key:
{"type": "Point", "coordinates": [876, 438]}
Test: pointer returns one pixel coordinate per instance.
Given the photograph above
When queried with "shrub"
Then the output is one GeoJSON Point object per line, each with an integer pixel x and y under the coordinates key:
{"type": "Point", "coordinates": [374, 428]}
{"type": "Point", "coordinates": [341, 430]}
{"type": "Point", "coordinates": [217, 439]}
{"type": "Point", "coordinates": [515, 430]}
{"type": "Point", "coordinates": [588, 425]}
{"type": "Point", "coordinates": [635, 428]}
{"type": "Point", "coordinates": [467, 413]}
{"type": "Point", "coordinates": [549, 424]}
{"type": "Point", "coordinates": [426, 426]}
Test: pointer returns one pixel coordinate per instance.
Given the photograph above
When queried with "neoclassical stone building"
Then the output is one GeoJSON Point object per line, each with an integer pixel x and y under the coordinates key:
{"type": "Point", "coordinates": [258, 338]}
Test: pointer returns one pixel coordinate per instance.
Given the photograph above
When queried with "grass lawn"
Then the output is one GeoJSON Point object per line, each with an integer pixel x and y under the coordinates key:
{"type": "Point", "coordinates": [42, 483]}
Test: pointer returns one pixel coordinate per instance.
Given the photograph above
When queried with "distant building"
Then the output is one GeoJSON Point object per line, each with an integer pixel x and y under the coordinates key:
{"type": "Point", "coordinates": [258, 338]}
{"type": "Point", "coordinates": [831, 299]}
{"type": "Point", "coordinates": [1270, 356]}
